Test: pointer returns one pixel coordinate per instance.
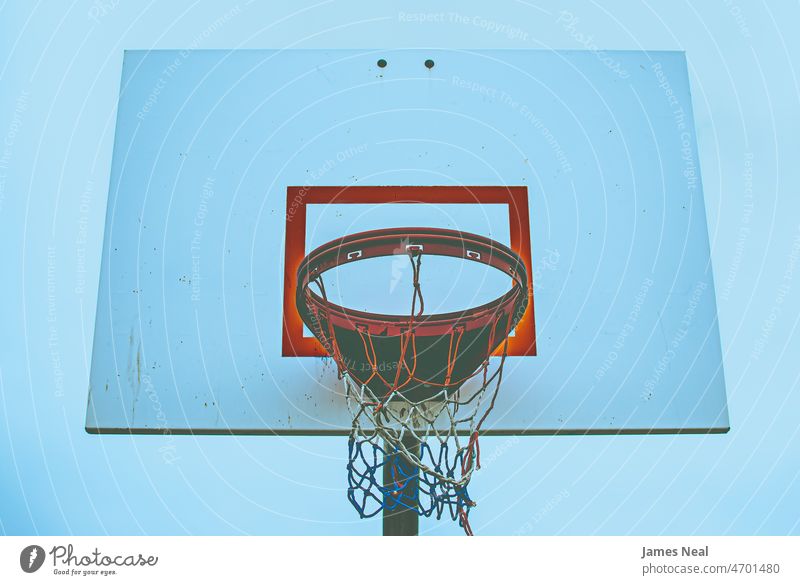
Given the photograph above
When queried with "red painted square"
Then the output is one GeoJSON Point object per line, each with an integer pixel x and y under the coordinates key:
{"type": "Point", "coordinates": [296, 344]}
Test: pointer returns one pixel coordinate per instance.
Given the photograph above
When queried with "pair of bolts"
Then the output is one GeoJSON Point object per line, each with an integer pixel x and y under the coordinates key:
{"type": "Point", "coordinates": [428, 63]}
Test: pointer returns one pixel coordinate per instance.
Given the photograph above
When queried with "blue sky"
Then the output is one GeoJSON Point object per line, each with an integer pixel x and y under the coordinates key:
{"type": "Point", "coordinates": [59, 72]}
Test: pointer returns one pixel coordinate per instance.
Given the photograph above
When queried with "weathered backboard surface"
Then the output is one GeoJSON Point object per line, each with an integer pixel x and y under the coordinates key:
{"type": "Point", "coordinates": [228, 166]}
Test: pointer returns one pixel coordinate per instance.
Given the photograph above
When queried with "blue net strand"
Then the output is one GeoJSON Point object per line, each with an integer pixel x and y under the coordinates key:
{"type": "Point", "coordinates": [410, 487]}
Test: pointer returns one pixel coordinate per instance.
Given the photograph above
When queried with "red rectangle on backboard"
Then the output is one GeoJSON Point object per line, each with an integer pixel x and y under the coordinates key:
{"type": "Point", "coordinates": [296, 344]}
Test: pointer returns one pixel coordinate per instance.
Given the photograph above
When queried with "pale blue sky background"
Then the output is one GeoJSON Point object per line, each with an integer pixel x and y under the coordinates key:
{"type": "Point", "coordinates": [59, 78]}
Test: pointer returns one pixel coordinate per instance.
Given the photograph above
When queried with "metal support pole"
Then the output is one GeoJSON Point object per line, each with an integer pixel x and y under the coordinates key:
{"type": "Point", "coordinates": [404, 519]}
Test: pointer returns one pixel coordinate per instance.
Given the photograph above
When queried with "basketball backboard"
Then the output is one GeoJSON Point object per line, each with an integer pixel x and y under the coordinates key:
{"type": "Point", "coordinates": [229, 166]}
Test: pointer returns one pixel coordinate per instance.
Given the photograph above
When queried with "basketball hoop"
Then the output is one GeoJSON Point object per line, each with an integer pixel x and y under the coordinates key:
{"type": "Point", "coordinates": [418, 386]}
